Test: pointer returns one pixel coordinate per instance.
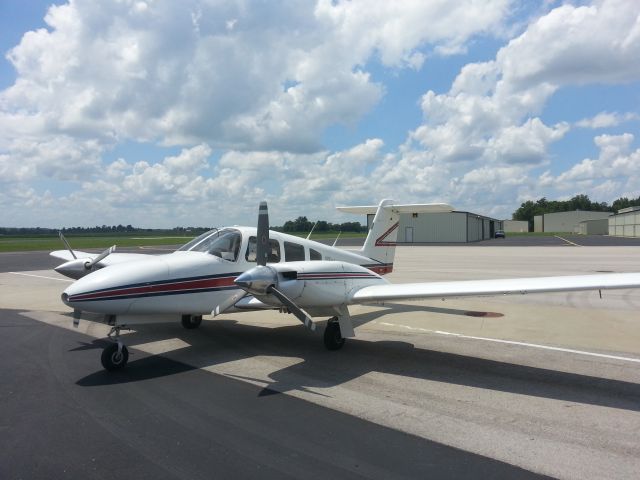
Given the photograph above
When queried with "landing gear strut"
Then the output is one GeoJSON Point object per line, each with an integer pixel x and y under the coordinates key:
{"type": "Point", "coordinates": [115, 356]}
{"type": "Point", "coordinates": [191, 321]}
{"type": "Point", "coordinates": [333, 338]}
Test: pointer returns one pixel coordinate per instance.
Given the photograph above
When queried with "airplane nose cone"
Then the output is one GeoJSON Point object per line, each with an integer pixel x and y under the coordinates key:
{"type": "Point", "coordinates": [73, 269]}
{"type": "Point", "coordinates": [65, 298]}
{"type": "Point", "coordinates": [244, 281]}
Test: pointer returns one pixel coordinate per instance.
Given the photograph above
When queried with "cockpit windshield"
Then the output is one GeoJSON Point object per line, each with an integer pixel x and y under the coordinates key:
{"type": "Point", "coordinates": [192, 243]}
{"type": "Point", "coordinates": [223, 243]}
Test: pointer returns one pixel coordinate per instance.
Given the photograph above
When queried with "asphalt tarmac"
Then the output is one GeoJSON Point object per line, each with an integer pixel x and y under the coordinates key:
{"type": "Point", "coordinates": [509, 387]}
{"type": "Point", "coordinates": [167, 419]}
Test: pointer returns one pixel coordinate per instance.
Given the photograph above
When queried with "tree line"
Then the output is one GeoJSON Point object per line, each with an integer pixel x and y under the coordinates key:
{"type": "Point", "coordinates": [302, 224]}
{"type": "Point", "coordinates": [530, 209]}
{"type": "Point", "coordinates": [103, 229]}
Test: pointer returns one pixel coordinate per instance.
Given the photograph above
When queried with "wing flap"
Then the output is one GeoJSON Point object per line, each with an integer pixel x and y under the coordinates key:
{"type": "Point", "coordinates": [505, 286]}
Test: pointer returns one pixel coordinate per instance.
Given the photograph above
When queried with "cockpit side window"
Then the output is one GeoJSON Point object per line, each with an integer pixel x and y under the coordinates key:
{"type": "Point", "coordinates": [293, 252]}
{"type": "Point", "coordinates": [314, 254]}
{"type": "Point", "coordinates": [252, 250]}
{"type": "Point", "coordinates": [224, 244]}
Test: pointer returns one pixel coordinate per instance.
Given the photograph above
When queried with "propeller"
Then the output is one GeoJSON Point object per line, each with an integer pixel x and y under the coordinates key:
{"type": "Point", "coordinates": [228, 303]}
{"type": "Point", "coordinates": [94, 261]}
{"type": "Point", "coordinates": [66, 244]}
{"type": "Point", "coordinates": [262, 251]}
{"type": "Point", "coordinates": [79, 267]}
{"type": "Point", "coordinates": [293, 308]}
{"type": "Point", "coordinates": [263, 280]}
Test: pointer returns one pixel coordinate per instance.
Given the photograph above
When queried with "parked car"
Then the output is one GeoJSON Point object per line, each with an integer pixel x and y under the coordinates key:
{"type": "Point", "coordinates": [500, 234]}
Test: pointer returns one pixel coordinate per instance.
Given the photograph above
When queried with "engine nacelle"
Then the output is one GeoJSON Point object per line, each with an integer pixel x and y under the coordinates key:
{"type": "Point", "coordinates": [321, 283]}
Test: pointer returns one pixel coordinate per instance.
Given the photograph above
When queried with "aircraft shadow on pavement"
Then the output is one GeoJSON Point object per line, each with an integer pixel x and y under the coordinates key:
{"type": "Point", "coordinates": [222, 341]}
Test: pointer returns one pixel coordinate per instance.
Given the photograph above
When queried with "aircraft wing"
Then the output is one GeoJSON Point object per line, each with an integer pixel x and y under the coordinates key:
{"type": "Point", "coordinates": [66, 254]}
{"type": "Point", "coordinates": [111, 259]}
{"type": "Point", "coordinates": [506, 286]}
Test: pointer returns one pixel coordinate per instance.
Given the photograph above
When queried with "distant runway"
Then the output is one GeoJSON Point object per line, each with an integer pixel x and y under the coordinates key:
{"type": "Point", "coordinates": [19, 261]}
{"type": "Point", "coordinates": [506, 387]}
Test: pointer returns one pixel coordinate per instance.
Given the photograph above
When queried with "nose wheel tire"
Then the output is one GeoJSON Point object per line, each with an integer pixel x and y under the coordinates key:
{"type": "Point", "coordinates": [333, 338]}
{"type": "Point", "coordinates": [114, 359]}
{"type": "Point", "coordinates": [191, 321]}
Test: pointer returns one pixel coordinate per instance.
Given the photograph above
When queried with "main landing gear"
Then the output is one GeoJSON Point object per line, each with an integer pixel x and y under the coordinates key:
{"type": "Point", "coordinates": [333, 338]}
{"type": "Point", "coordinates": [115, 356]}
{"type": "Point", "coordinates": [191, 321]}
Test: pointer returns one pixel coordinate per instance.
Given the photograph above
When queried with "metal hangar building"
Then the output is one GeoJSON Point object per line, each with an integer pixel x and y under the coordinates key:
{"type": "Point", "coordinates": [567, 222]}
{"type": "Point", "coordinates": [450, 227]}
{"type": "Point", "coordinates": [626, 223]}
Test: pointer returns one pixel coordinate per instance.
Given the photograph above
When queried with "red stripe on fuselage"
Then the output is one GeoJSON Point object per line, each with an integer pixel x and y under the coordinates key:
{"type": "Point", "coordinates": [161, 288]}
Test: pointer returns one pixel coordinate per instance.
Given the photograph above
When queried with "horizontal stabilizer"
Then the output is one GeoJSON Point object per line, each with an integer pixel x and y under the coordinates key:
{"type": "Point", "coordinates": [404, 208]}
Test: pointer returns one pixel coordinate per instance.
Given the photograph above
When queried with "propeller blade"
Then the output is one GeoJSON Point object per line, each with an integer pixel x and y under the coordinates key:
{"type": "Point", "coordinates": [66, 244]}
{"type": "Point", "coordinates": [262, 251]}
{"type": "Point", "coordinates": [293, 308]}
{"type": "Point", "coordinates": [228, 303]}
{"type": "Point", "coordinates": [100, 257]}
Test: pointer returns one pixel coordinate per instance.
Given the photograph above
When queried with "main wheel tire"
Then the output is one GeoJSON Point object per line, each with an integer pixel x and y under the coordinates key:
{"type": "Point", "coordinates": [333, 338]}
{"type": "Point", "coordinates": [191, 321]}
{"type": "Point", "coordinates": [114, 360]}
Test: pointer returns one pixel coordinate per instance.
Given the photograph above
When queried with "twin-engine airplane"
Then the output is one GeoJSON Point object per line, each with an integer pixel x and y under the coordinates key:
{"type": "Point", "coordinates": [244, 268]}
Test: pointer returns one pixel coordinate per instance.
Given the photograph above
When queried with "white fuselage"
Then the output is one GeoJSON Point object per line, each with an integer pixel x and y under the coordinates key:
{"type": "Point", "coordinates": [194, 282]}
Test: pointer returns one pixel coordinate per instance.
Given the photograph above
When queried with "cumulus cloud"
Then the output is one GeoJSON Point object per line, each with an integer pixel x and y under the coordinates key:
{"type": "Point", "coordinates": [186, 187]}
{"type": "Point", "coordinates": [482, 142]}
{"type": "Point", "coordinates": [248, 90]}
{"type": "Point", "coordinates": [616, 160]}
{"type": "Point", "coordinates": [612, 174]}
{"type": "Point", "coordinates": [607, 119]}
{"type": "Point", "coordinates": [242, 76]}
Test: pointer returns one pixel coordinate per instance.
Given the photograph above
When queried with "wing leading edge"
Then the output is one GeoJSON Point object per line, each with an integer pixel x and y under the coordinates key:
{"type": "Point", "coordinates": [505, 286]}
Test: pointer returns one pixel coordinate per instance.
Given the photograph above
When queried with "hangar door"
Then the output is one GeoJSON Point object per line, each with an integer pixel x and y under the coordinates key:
{"type": "Point", "coordinates": [408, 234]}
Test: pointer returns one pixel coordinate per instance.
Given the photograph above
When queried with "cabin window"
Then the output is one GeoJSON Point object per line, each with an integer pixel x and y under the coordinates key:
{"type": "Point", "coordinates": [314, 254]}
{"type": "Point", "coordinates": [293, 252]}
{"type": "Point", "coordinates": [223, 243]}
{"type": "Point", "coordinates": [252, 251]}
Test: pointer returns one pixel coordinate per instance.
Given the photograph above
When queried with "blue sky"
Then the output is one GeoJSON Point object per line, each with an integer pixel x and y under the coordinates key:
{"type": "Point", "coordinates": [167, 113]}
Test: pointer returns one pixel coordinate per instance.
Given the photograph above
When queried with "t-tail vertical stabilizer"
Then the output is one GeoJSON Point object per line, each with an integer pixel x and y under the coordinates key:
{"type": "Point", "coordinates": [381, 241]}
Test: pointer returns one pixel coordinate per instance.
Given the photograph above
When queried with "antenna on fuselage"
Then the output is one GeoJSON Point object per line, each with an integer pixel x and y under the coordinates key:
{"type": "Point", "coordinates": [336, 240]}
{"type": "Point", "coordinates": [312, 229]}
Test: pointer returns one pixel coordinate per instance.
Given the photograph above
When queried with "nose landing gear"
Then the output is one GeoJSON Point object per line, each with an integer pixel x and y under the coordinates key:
{"type": "Point", "coordinates": [115, 356]}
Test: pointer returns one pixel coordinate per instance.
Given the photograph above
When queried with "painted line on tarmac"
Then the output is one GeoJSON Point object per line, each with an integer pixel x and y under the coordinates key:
{"type": "Point", "coordinates": [568, 241]}
{"type": "Point", "coordinates": [42, 276]}
{"type": "Point", "coordinates": [513, 342]}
